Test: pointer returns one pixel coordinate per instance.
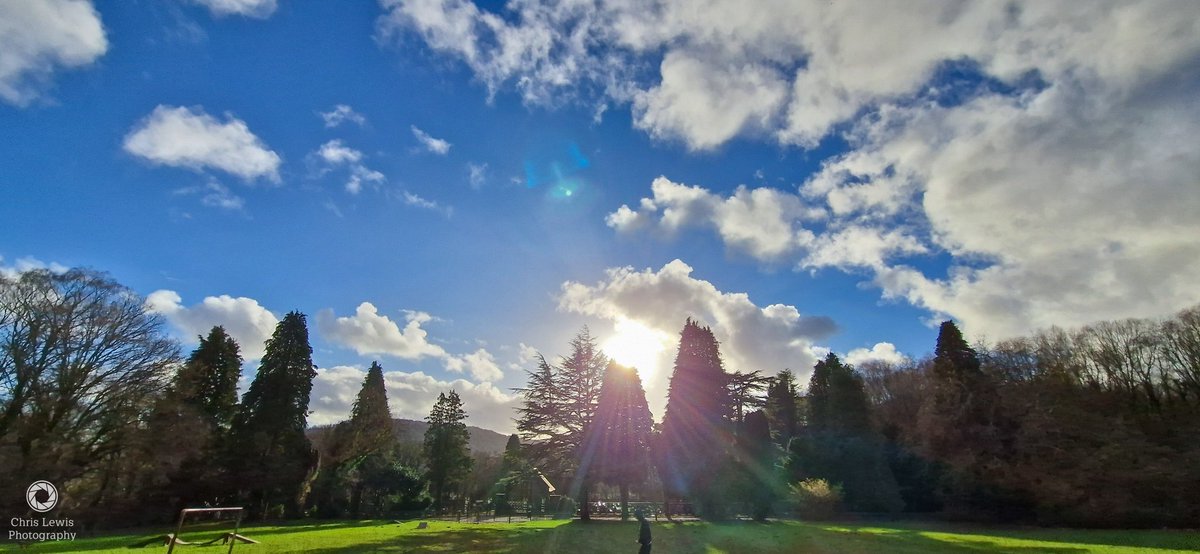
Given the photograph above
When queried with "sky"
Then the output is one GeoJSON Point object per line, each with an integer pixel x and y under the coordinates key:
{"type": "Point", "coordinates": [451, 188]}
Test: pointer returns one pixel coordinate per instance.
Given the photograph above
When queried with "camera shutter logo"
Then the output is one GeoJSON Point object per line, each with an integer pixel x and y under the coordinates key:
{"type": "Point", "coordinates": [41, 496]}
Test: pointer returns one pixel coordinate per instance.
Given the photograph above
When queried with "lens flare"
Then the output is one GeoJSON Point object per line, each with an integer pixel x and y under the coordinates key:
{"type": "Point", "coordinates": [636, 345]}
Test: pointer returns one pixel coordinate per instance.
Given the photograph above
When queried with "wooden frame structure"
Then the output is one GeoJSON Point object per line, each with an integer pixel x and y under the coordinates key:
{"type": "Point", "coordinates": [231, 538]}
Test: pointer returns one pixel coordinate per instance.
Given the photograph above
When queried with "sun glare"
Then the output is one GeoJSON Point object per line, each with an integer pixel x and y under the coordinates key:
{"type": "Point", "coordinates": [636, 345]}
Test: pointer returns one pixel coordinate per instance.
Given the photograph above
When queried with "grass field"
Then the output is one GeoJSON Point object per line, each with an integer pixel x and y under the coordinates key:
{"type": "Point", "coordinates": [611, 536]}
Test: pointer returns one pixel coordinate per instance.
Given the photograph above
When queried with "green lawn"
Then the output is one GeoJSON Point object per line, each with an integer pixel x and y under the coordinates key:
{"type": "Point", "coordinates": [610, 536]}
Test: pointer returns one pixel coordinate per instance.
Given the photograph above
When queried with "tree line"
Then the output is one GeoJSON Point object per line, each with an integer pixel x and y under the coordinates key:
{"type": "Point", "coordinates": [1095, 426]}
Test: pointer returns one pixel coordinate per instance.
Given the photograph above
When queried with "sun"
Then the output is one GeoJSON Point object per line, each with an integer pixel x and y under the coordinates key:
{"type": "Point", "coordinates": [636, 345]}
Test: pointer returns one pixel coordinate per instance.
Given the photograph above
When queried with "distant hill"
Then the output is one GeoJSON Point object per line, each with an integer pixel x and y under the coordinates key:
{"type": "Point", "coordinates": [483, 441]}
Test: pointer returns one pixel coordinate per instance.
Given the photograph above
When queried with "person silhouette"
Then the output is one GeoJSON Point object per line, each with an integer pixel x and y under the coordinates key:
{"type": "Point", "coordinates": [643, 533]}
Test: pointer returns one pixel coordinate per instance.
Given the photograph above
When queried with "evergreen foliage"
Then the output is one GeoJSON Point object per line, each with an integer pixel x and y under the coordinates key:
{"type": "Point", "coordinates": [758, 455]}
{"type": "Point", "coordinates": [208, 381]}
{"type": "Point", "coordinates": [559, 403]}
{"type": "Point", "coordinates": [200, 405]}
{"type": "Point", "coordinates": [696, 430]}
{"type": "Point", "coordinates": [446, 451]}
{"type": "Point", "coordinates": [617, 442]}
{"type": "Point", "coordinates": [744, 389]}
{"type": "Point", "coordinates": [369, 429]}
{"type": "Point", "coordinates": [783, 407]}
{"type": "Point", "coordinates": [839, 444]}
{"type": "Point", "coordinates": [272, 458]}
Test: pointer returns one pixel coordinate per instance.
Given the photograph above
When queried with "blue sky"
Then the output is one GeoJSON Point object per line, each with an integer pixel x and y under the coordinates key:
{"type": "Point", "coordinates": [448, 186]}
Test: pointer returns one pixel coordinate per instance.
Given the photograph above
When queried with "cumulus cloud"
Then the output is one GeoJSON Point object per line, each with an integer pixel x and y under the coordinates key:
{"type": "Point", "coordinates": [764, 222]}
{"type": "Point", "coordinates": [190, 138]}
{"type": "Point", "coordinates": [335, 153]}
{"type": "Point", "coordinates": [882, 352]}
{"type": "Point", "coordinates": [249, 323]}
{"type": "Point", "coordinates": [368, 333]}
{"type": "Point", "coordinates": [752, 337]}
{"type": "Point", "coordinates": [480, 364]}
{"type": "Point", "coordinates": [1044, 151]}
{"type": "Point", "coordinates": [435, 145]}
{"type": "Point", "coordinates": [342, 113]}
{"type": "Point", "coordinates": [789, 70]}
{"type": "Point", "coordinates": [410, 396]}
{"type": "Point", "coordinates": [36, 38]}
{"type": "Point", "coordinates": [260, 9]}
{"type": "Point", "coordinates": [705, 105]}
{"type": "Point", "coordinates": [27, 263]}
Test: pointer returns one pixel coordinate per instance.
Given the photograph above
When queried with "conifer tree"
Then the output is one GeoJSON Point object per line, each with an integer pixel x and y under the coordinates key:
{"type": "Point", "coordinates": [959, 426]}
{"type": "Point", "coordinates": [559, 403]}
{"type": "Point", "coordinates": [837, 399]}
{"type": "Point", "coordinates": [758, 456]}
{"type": "Point", "coordinates": [617, 443]}
{"type": "Point", "coordinates": [208, 380]}
{"type": "Point", "coordinates": [446, 448]}
{"type": "Point", "coordinates": [369, 428]}
{"type": "Point", "coordinates": [839, 444]}
{"type": "Point", "coordinates": [782, 407]}
{"type": "Point", "coordinates": [270, 453]}
{"type": "Point", "coordinates": [696, 427]}
{"type": "Point", "coordinates": [200, 405]}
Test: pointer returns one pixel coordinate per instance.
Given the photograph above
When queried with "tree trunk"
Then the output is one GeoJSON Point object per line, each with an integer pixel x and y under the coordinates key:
{"type": "Point", "coordinates": [624, 501]}
{"type": "Point", "coordinates": [585, 509]}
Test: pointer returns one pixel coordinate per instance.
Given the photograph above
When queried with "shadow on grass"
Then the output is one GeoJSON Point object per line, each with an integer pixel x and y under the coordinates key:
{"type": "Point", "coordinates": [1188, 540]}
{"type": "Point", "coordinates": [602, 537]}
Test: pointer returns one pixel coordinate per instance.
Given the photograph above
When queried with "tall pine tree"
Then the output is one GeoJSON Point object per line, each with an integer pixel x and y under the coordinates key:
{"type": "Point", "coordinates": [369, 429]}
{"type": "Point", "coordinates": [208, 381]}
{"type": "Point", "coordinates": [559, 403]}
{"type": "Point", "coordinates": [617, 444]}
{"type": "Point", "coordinates": [961, 428]}
{"type": "Point", "coordinates": [839, 443]}
{"type": "Point", "coordinates": [200, 405]}
{"type": "Point", "coordinates": [696, 429]}
{"type": "Point", "coordinates": [446, 448]}
{"type": "Point", "coordinates": [782, 407]}
{"type": "Point", "coordinates": [270, 454]}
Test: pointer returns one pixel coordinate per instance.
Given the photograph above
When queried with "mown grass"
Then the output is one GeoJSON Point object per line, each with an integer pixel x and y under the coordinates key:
{"type": "Point", "coordinates": [691, 537]}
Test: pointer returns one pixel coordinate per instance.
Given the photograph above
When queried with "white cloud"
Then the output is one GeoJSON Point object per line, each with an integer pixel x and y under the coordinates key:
{"type": "Point", "coordinates": [342, 113]}
{"type": "Point", "coordinates": [705, 105]}
{"type": "Point", "coordinates": [27, 263]}
{"type": "Point", "coordinates": [38, 37]}
{"type": "Point", "coordinates": [260, 9]}
{"type": "Point", "coordinates": [792, 69]}
{"type": "Point", "coordinates": [480, 364]}
{"type": "Point", "coordinates": [336, 154]}
{"type": "Point", "coordinates": [882, 352]}
{"type": "Point", "coordinates": [417, 201]}
{"type": "Point", "coordinates": [189, 137]}
{"type": "Point", "coordinates": [763, 222]}
{"type": "Point", "coordinates": [435, 145]}
{"type": "Point", "coordinates": [1059, 175]}
{"type": "Point", "coordinates": [767, 338]}
{"type": "Point", "coordinates": [368, 333]}
{"type": "Point", "coordinates": [243, 318]}
{"type": "Point", "coordinates": [526, 353]}
{"type": "Point", "coordinates": [215, 195]}
{"type": "Point", "coordinates": [477, 174]}
{"type": "Point", "coordinates": [410, 396]}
